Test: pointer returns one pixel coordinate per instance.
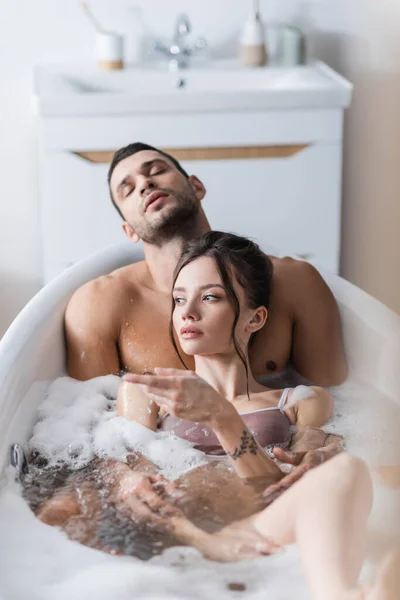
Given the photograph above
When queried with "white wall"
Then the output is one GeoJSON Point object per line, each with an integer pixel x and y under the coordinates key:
{"type": "Point", "coordinates": [39, 31]}
{"type": "Point", "coordinates": [371, 210]}
{"type": "Point", "coordinates": [369, 55]}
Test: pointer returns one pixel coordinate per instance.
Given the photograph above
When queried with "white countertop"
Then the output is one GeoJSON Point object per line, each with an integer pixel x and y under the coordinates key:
{"type": "Point", "coordinates": [77, 90]}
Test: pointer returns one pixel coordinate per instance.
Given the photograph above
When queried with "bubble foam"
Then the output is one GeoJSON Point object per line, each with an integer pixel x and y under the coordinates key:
{"type": "Point", "coordinates": [77, 420]}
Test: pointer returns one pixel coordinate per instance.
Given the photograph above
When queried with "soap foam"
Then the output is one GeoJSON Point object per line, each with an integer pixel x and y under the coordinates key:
{"type": "Point", "coordinates": [78, 421]}
{"type": "Point", "coordinates": [300, 393]}
{"type": "Point", "coordinates": [369, 422]}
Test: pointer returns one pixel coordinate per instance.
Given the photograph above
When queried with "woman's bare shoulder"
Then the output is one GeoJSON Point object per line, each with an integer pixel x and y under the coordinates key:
{"type": "Point", "coordinates": [262, 398]}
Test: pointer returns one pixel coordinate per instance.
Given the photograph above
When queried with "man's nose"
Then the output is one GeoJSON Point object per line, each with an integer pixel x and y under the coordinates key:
{"type": "Point", "coordinates": [146, 185]}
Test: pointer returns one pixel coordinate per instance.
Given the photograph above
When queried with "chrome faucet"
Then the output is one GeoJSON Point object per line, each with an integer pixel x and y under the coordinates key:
{"type": "Point", "coordinates": [179, 50]}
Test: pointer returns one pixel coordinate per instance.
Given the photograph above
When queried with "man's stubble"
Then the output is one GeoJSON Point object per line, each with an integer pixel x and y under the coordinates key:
{"type": "Point", "coordinates": [181, 221]}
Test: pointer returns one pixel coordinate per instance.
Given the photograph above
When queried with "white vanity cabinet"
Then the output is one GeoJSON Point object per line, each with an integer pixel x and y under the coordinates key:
{"type": "Point", "coordinates": [272, 163]}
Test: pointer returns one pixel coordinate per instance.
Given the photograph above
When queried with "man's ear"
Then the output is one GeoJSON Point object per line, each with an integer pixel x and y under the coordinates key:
{"type": "Point", "coordinates": [258, 320]}
{"type": "Point", "coordinates": [197, 186]}
{"type": "Point", "coordinates": [129, 232]}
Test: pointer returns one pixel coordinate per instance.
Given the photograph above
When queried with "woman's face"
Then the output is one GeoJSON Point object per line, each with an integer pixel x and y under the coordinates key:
{"type": "Point", "coordinates": [203, 316]}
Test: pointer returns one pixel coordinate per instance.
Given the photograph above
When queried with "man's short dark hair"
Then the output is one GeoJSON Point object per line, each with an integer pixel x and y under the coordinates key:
{"type": "Point", "coordinates": [126, 151]}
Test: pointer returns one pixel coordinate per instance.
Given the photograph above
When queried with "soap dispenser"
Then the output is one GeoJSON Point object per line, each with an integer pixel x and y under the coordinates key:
{"type": "Point", "coordinates": [252, 44]}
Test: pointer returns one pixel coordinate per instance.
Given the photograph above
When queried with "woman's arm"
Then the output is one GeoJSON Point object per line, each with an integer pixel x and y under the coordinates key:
{"type": "Point", "coordinates": [313, 408]}
{"type": "Point", "coordinates": [185, 395]}
{"type": "Point", "coordinates": [134, 404]}
{"type": "Point", "coordinates": [248, 457]}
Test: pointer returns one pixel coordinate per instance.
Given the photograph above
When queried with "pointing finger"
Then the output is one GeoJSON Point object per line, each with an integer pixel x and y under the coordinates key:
{"type": "Point", "coordinates": [152, 381]}
{"type": "Point", "coordinates": [172, 372]}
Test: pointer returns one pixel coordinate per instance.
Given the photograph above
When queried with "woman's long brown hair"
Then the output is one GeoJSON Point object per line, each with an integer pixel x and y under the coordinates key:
{"type": "Point", "coordinates": [234, 256]}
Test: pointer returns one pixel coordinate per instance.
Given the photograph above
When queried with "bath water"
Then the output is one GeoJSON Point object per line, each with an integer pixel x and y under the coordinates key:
{"type": "Point", "coordinates": [77, 422]}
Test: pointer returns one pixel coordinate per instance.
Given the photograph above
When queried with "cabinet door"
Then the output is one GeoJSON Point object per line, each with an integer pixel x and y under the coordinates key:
{"type": "Point", "coordinates": [77, 215]}
{"type": "Point", "coordinates": [291, 204]}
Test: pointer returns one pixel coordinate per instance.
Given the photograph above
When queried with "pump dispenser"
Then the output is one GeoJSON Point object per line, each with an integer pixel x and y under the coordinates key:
{"type": "Point", "coordinates": [252, 44]}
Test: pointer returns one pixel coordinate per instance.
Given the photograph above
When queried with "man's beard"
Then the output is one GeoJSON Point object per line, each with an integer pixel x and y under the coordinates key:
{"type": "Point", "coordinates": [178, 222]}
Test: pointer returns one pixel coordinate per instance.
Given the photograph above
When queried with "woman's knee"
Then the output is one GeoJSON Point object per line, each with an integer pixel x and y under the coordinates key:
{"type": "Point", "coordinates": [347, 463]}
{"type": "Point", "coordinates": [347, 471]}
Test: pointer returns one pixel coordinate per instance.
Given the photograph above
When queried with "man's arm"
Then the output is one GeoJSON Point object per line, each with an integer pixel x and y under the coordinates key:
{"type": "Point", "coordinates": [91, 332]}
{"type": "Point", "coordinates": [317, 346]}
{"type": "Point", "coordinates": [309, 448]}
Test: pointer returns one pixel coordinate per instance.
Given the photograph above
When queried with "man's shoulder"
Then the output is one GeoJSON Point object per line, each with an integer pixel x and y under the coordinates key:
{"type": "Point", "coordinates": [295, 282]}
{"type": "Point", "coordinates": [108, 293]}
{"type": "Point", "coordinates": [291, 271]}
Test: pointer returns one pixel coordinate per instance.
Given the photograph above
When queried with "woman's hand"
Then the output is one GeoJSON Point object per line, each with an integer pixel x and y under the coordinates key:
{"type": "Point", "coordinates": [185, 395]}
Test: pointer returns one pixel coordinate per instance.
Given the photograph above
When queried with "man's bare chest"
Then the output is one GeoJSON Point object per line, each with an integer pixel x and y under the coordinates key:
{"type": "Point", "coordinates": [144, 340]}
{"type": "Point", "coordinates": [271, 350]}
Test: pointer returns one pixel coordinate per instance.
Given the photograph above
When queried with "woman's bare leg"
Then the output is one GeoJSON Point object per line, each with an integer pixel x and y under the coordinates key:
{"type": "Point", "coordinates": [326, 514]}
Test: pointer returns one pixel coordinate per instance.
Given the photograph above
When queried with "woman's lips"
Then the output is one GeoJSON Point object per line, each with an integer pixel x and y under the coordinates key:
{"type": "Point", "coordinates": [189, 333]}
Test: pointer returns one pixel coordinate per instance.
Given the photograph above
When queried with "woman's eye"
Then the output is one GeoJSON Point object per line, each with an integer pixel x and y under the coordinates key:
{"type": "Point", "coordinates": [210, 297]}
{"type": "Point", "coordinates": [179, 300]}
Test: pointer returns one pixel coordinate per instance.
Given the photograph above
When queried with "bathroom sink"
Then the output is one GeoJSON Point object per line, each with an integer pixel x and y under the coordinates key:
{"type": "Point", "coordinates": [68, 90]}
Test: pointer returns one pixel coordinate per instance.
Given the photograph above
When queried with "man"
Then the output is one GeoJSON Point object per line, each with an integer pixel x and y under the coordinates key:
{"type": "Point", "coordinates": [120, 321]}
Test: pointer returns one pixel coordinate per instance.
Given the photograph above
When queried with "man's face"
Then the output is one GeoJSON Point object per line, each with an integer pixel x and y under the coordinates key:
{"type": "Point", "coordinates": [157, 201]}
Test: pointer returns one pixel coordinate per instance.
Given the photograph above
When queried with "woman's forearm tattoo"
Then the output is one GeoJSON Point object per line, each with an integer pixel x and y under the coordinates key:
{"type": "Point", "coordinates": [247, 444]}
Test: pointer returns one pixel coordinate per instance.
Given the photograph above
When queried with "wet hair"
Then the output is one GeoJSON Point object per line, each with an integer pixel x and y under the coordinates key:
{"type": "Point", "coordinates": [234, 256]}
{"type": "Point", "coordinates": [129, 150]}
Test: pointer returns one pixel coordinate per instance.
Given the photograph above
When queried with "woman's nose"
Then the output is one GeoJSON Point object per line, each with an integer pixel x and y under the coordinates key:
{"type": "Point", "coordinates": [190, 313]}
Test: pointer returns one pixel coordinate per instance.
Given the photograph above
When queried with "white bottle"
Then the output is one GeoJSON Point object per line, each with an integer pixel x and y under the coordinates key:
{"type": "Point", "coordinates": [252, 44]}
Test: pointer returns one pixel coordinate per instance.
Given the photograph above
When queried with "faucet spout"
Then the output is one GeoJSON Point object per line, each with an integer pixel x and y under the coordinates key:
{"type": "Point", "coordinates": [182, 28]}
{"type": "Point", "coordinates": [179, 51]}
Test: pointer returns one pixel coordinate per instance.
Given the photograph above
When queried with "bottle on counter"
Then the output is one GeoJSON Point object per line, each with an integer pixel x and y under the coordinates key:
{"type": "Point", "coordinates": [292, 47]}
{"type": "Point", "coordinates": [252, 40]}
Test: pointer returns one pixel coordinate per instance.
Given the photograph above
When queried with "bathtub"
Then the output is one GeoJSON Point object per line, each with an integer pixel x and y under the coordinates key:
{"type": "Point", "coordinates": [32, 352]}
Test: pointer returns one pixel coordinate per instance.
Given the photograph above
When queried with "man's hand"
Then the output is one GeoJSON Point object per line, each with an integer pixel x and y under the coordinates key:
{"type": "Point", "coordinates": [303, 462]}
{"type": "Point", "coordinates": [146, 499]}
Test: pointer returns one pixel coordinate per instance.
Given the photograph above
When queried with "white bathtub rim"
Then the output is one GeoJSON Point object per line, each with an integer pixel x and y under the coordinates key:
{"type": "Point", "coordinates": [61, 288]}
